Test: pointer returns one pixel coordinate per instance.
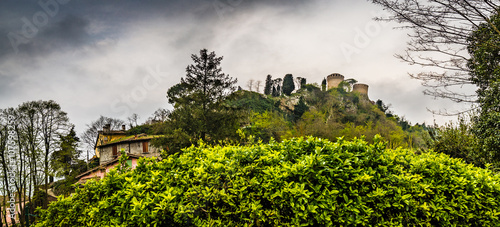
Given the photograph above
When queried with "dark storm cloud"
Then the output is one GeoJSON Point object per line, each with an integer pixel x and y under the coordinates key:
{"type": "Point", "coordinates": [36, 30]}
{"type": "Point", "coordinates": [48, 25]}
{"type": "Point", "coordinates": [70, 32]}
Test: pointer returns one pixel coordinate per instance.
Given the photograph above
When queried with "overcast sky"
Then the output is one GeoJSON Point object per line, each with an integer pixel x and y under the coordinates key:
{"type": "Point", "coordinates": [116, 58]}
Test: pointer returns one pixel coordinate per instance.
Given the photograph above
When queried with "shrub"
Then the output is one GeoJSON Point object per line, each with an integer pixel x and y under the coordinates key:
{"type": "Point", "coordinates": [298, 182]}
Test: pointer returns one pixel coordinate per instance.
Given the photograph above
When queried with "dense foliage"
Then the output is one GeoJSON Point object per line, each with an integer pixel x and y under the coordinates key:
{"type": "Point", "coordinates": [304, 181]}
{"type": "Point", "coordinates": [484, 47]}
{"type": "Point", "coordinates": [325, 114]}
{"type": "Point", "coordinates": [456, 140]}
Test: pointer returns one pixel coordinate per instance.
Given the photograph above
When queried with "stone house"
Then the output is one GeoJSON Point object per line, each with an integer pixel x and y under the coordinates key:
{"type": "Point", "coordinates": [139, 145]}
{"type": "Point", "coordinates": [108, 145]}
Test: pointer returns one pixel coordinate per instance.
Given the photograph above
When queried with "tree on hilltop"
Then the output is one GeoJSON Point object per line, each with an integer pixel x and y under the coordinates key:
{"type": "Point", "coordinates": [288, 85]}
{"type": "Point", "coordinates": [303, 82]}
{"type": "Point", "coordinates": [198, 98]}
{"type": "Point", "coordinates": [268, 88]}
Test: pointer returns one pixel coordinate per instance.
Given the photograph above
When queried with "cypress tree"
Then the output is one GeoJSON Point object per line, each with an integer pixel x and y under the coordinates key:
{"type": "Point", "coordinates": [288, 85]}
{"type": "Point", "coordinates": [323, 85]}
{"type": "Point", "coordinates": [269, 85]}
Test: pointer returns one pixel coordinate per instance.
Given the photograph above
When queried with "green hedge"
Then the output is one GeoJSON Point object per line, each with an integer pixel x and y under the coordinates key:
{"type": "Point", "coordinates": [298, 182]}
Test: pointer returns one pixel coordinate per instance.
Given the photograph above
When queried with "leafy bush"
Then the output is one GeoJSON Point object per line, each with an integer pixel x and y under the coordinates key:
{"type": "Point", "coordinates": [298, 182]}
{"type": "Point", "coordinates": [458, 141]}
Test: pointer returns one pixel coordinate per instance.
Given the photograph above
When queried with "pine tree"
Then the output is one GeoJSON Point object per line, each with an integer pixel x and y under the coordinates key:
{"type": "Point", "coordinates": [198, 98]}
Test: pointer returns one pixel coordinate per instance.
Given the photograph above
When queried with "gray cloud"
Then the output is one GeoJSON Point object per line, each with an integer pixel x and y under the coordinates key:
{"type": "Point", "coordinates": [70, 32]}
{"type": "Point", "coordinates": [31, 28]}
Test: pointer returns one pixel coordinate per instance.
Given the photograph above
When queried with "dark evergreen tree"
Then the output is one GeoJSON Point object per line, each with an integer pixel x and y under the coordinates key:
{"type": "Point", "coordinates": [288, 84]}
{"type": "Point", "coordinates": [303, 82]}
{"type": "Point", "coordinates": [323, 84]}
{"type": "Point", "coordinates": [300, 109]}
{"type": "Point", "coordinates": [66, 162]}
{"type": "Point", "coordinates": [63, 158]}
{"type": "Point", "coordinates": [384, 108]}
{"type": "Point", "coordinates": [199, 98]}
{"type": "Point", "coordinates": [268, 88]}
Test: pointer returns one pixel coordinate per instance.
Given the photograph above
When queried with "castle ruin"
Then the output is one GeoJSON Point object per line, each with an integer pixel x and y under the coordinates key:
{"type": "Point", "coordinates": [334, 79]}
{"type": "Point", "coordinates": [361, 88]}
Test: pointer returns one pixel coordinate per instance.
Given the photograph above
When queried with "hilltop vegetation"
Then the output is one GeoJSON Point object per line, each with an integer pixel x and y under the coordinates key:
{"type": "Point", "coordinates": [325, 114]}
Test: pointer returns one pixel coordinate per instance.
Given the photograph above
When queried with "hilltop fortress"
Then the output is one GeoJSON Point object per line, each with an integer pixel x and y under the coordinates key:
{"type": "Point", "coordinates": [334, 79]}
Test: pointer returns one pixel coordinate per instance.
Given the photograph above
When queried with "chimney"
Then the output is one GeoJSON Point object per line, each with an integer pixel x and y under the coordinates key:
{"type": "Point", "coordinates": [123, 127]}
{"type": "Point", "coordinates": [106, 128]}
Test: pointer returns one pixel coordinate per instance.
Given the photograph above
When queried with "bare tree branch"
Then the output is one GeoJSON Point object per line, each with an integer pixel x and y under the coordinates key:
{"type": "Point", "coordinates": [439, 31]}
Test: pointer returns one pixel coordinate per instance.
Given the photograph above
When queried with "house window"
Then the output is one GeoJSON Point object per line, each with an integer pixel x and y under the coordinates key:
{"type": "Point", "coordinates": [115, 150]}
{"type": "Point", "coordinates": [144, 147]}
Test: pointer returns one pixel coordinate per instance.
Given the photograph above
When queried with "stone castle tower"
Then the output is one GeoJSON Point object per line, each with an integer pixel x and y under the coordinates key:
{"type": "Point", "coordinates": [361, 88]}
{"type": "Point", "coordinates": [334, 80]}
